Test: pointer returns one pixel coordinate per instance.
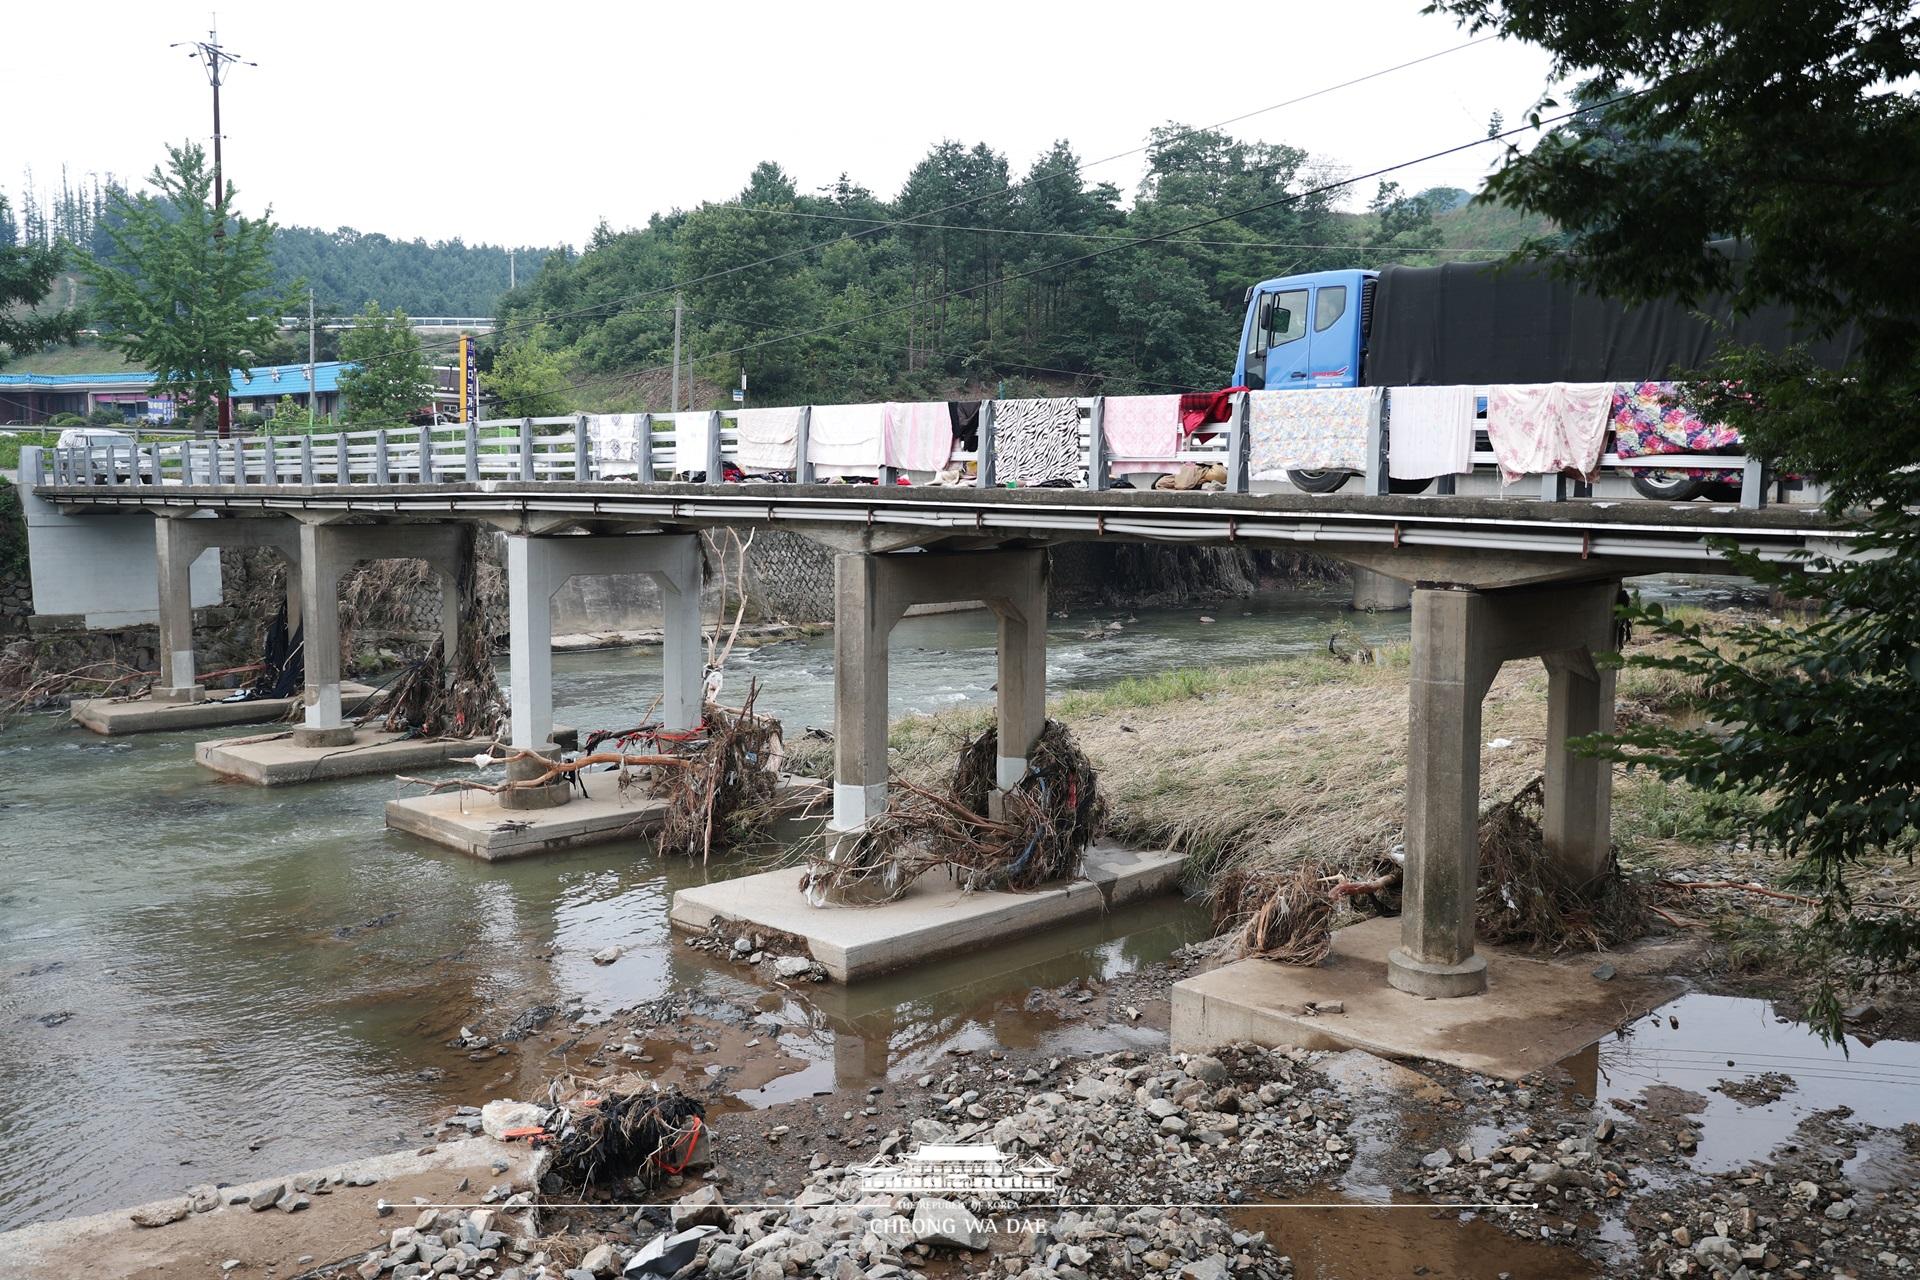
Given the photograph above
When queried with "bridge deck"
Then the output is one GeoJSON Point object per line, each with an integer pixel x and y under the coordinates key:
{"type": "Point", "coordinates": [880, 516]}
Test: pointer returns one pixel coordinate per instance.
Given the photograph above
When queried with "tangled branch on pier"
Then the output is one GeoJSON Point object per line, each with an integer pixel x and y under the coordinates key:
{"type": "Point", "coordinates": [1047, 821]}
{"type": "Point", "coordinates": [728, 790]}
{"type": "Point", "coordinates": [1528, 897]}
{"type": "Point", "coordinates": [555, 771]}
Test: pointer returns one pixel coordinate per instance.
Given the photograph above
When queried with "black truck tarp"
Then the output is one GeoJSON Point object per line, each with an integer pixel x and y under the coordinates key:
{"type": "Point", "coordinates": [1481, 323]}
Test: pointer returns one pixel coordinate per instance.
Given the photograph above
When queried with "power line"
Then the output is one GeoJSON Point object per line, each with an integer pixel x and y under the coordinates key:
{"type": "Point", "coordinates": [912, 219]}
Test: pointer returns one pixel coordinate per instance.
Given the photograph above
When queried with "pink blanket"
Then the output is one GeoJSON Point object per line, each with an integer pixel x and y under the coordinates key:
{"type": "Point", "coordinates": [1548, 427]}
{"type": "Point", "coordinates": [1141, 427]}
{"type": "Point", "coordinates": [919, 437]}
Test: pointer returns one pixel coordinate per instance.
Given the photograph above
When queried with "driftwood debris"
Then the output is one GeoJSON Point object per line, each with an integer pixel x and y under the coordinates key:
{"type": "Point", "coordinates": [1046, 822]}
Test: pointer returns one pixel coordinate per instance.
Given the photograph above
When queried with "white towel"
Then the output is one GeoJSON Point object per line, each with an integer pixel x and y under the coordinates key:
{"type": "Point", "coordinates": [769, 440]}
{"type": "Point", "coordinates": [617, 439]}
{"type": "Point", "coordinates": [919, 436]}
{"type": "Point", "coordinates": [1549, 427]}
{"type": "Point", "coordinates": [1429, 432]}
{"type": "Point", "coordinates": [691, 434]}
{"type": "Point", "coordinates": [846, 439]}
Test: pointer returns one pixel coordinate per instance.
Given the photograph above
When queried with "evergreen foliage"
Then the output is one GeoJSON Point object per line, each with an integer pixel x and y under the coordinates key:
{"type": "Point", "coordinates": [27, 273]}
{"type": "Point", "coordinates": [1796, 130]}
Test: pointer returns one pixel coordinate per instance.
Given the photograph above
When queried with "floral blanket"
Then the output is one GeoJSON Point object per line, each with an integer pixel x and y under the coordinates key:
{"type": "Point", "coordinates": [1648, 419]}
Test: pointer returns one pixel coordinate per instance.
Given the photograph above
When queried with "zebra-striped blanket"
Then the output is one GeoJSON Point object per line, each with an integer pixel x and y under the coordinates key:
{"type": "Point", "coordinates": [1035, 441]}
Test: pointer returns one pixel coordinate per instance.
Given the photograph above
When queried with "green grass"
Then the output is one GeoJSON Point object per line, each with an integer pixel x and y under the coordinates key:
{"type": "Point", "coordinates": [12, 442]}
{"type": "Point", "coordinates": [1650, 809]}
{"type": "Point", "coordinates": [82, 357]}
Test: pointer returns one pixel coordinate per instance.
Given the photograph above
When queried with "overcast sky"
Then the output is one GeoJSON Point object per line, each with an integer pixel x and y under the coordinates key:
{"type": "Point", "coordinates": [527, 124]}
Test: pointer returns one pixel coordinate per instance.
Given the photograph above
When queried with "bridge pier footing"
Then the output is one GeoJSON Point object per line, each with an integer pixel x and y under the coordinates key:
{"type": "Point", "coordinates": [872, 592]}
{"type": "Point", "coordinates": [1461, 637]}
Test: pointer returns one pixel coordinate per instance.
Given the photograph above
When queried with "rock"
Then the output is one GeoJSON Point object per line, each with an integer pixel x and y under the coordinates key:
{"type": "Point", "coordinates": [1212, 1267]}
{"type": "Point", "coordinates": [943, 1223]}
{"type": "Point", "coordinates": [1202, 1067]}
{"type": "Point", "coordinates": [1438, 1158]}
{"type": "Point", "coordinates": [1840, 1210]}
{"type": "Point", "coordinates": [1161, 1108]}
{"type": "Point", "coordinates": [159, 1215]}
{"type": "Point", "coordinates": [607, 955]}
{"type": "Point", "coordinates": [792, 967]}
{"type": "Point", "coordinates": [503, 1114]}
{"type": "Point", "coordinates": [1862, 1014]}
{"type": "Point", "coordinates": [702, 1208]}
{"type": "Point", "coordinates": [204, 1198]}
{"type": "Point", "coordinates": [1605, 972]}
{"type": "Point", "coordinates": [267, 1197]}
{"type": "Point", "coordinates": [1604, 1130]}
{"type": "Point", "coordinates": [1097, 1089]}
{"type": "Point", "coordinates": [600, 1261]}
{"type": "Point", "coordinates": [742, 947]}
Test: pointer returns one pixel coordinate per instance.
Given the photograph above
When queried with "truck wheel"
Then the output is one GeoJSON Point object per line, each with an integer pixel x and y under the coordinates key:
{"type": "Point", "coordinates": [1666, 486]}
{"type": "Point", "coordinates": [1408, 486]}
{"type": "Point", "coordinates": [1317, 481]}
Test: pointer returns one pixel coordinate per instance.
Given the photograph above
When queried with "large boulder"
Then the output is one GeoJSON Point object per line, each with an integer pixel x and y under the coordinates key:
{"type": "Point", "coordinates": [946, 1224]}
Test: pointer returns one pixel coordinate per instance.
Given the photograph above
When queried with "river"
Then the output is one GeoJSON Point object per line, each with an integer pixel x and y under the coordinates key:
{"type": "Point", "coordinates": [205, 981]}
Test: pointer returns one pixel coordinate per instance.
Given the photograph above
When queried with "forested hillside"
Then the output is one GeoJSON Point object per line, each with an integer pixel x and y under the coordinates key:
{"type": "Point", "coordinates": [1034, 279]}
{"type": "Point", "coordinates": [345, 268]}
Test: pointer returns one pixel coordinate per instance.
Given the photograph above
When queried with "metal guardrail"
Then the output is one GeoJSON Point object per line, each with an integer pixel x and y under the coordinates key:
{"type": "Point", "coordinates": [561, 448]}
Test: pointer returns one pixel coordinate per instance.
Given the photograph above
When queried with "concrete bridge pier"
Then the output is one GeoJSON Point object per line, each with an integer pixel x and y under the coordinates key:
{"type": "Point", "coordinates": [326, 552]}
{"type": "Point", "coordinates": [1375, 592]}
{"type": "Point", "coordinates": [872, 592]}
{"type": "Point", "coordinates": [178, 541]}
{"type": "Point", "coordinates": [1461, 637]}
{"type": "Point", "coordinates": [538, 566]}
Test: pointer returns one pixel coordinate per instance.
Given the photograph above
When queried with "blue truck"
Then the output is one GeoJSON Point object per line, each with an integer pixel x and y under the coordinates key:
{"type": "Point", "coordinates": [1476, 324]}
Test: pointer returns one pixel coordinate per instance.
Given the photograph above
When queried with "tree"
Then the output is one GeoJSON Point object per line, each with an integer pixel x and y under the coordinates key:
{"type": "Point", "coordinates": [27, 273]}
{"type": "Point", "coordinates": [179, 297]}
{"type": "Point", "coordinates": [1796, 130]}
{"type": "Point", "coordinates": [288, 416]}
{"type": "Point", "coordinates": [530, 376]}
{"type": "Point", "coordinates": [1401, 222]}
{"type": "Point", "coordinates": [388, 381]}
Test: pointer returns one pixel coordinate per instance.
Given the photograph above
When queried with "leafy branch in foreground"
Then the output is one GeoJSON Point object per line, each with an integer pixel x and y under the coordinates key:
{"type": "Point", "coordinates": [1795, 132]}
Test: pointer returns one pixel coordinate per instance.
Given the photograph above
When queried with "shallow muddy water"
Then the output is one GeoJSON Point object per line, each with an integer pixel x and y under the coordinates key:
{"type": "Point", "coordinates": [206, 981]}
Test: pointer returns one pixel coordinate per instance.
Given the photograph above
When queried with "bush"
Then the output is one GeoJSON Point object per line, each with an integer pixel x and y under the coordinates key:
{"type": "Point", "coordinates": [105, 417]}
{"type": "Point", "coordinates": [66, 420]}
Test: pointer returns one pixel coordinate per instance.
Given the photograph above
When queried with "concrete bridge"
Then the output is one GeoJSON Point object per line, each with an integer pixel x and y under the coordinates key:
{"type": "Point", "coordinates": [1492, 580]}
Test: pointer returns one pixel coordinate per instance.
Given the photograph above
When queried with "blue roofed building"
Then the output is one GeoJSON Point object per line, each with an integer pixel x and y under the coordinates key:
{"type": "Point", "coordinates": [35, 397]}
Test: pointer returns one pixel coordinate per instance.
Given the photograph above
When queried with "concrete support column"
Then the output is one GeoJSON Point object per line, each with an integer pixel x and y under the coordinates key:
{"type": "Point", "coordinates": [1450, 675]}
{"type": "Point", "coordinates": [1022, 694]}
{"type": "Point", "coordinates": [682, 653]}
{"type": "Point", "coordinates": [862, 620]}
{"type": "Point", "coordinates": [321, 563]}
{"type": "Point", "coordinates": [872, 593]}
{"type": "Point", "coordinates": [530, 588]}
{"type": "Point", "coordinates": [1577, 823]}
{"type": "Point", "coordinates": [175, 549]}
{"type": "Point", "coordinates": [450, 611]}
{"type": "Point", "coordinates": [1377, 593]}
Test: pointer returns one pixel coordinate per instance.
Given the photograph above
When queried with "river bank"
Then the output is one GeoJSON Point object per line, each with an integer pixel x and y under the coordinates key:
{"type": "Point", "coordinates": [339, 993]}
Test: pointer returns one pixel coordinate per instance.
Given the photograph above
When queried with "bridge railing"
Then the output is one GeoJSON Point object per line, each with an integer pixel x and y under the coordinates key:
{"type": "Point", "coordinates": [568, 449]}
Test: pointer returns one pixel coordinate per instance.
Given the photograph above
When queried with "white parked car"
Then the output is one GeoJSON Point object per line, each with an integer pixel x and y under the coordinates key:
{"type": "Point", "coordinates": [114, 452]}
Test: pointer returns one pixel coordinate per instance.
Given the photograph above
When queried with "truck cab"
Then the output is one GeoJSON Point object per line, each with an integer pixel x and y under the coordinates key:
{"type": "Point", "coordinates": [1306, 331]}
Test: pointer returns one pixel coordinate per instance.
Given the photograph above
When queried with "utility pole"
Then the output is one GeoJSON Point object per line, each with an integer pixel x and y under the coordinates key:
{"type": "Point", "coordinates": [676, 354]}
{"type": "Point", "coordinates": [216, 60]}
{"type": "Point", "coordinates": [313, 394]}
{"type": "Point", "coordinates": [510, 284]}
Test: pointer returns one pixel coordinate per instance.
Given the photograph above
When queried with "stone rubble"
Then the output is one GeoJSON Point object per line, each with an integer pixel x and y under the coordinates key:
{"type": "Point", "coordinates": [1246, 1122]}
